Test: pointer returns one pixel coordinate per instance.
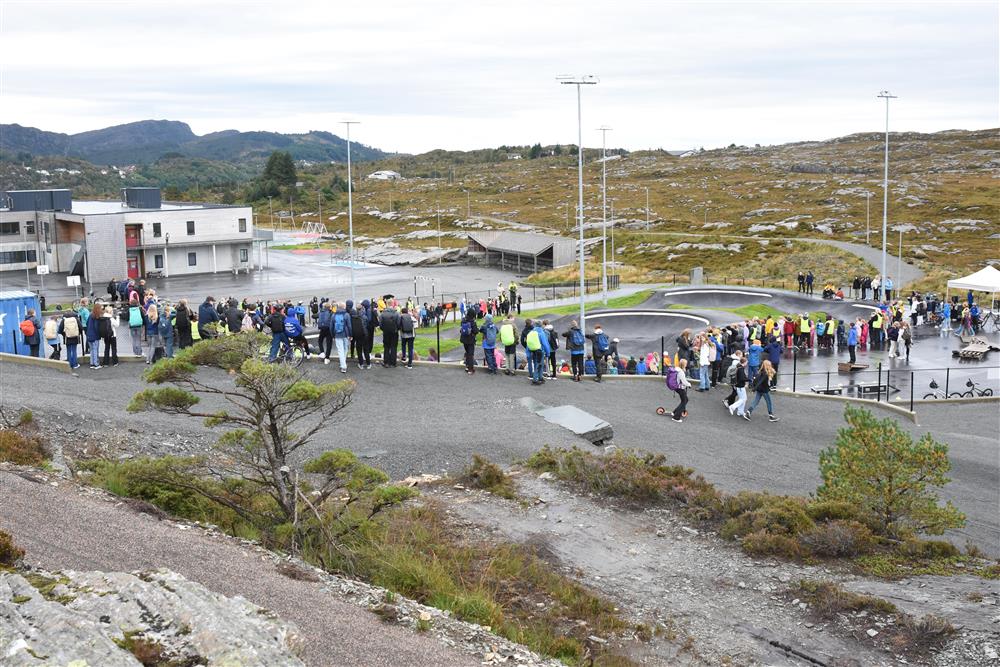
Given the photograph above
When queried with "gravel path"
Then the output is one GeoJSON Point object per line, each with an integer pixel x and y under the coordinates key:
{"type": "Point", "coordinates": [90, 533]}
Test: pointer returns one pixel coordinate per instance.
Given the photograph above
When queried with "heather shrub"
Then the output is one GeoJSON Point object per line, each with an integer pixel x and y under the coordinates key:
{"type": "Point", "coordinates": [839, 539]}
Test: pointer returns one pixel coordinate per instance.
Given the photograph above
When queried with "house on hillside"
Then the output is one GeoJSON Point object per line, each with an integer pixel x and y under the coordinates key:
{"type": "Point", "coordinates": [385, 175]}
{"type": "Point", "coordinates": [520, 251]}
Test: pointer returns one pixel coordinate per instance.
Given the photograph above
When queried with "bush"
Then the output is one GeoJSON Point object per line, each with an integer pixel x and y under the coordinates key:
{"type": "Point", "coordinates": [828, 599]}
{"type": "Point", "coordinates": [10, 553]}
{"type": "Point", "coordinates": [839, 539]}
{"type": "Point", "coordinates": [875, 465]}
{"type": "Point", "coordinates": [763, 543]}
{"type": "Point", "coordinates": [778, 515]}
{"type": "Point", "coordinates": [20, 449]}
{"type": "Point", "coordinates": [833, 510]}
{"type": "Point", "coordinates": [923, 634]}
{"type": "Point", "coordinates": [929, 549]}
{"type": "Point", "coordinates": [488, 476]}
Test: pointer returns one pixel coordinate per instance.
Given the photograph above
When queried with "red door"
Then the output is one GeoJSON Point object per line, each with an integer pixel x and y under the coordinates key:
{"type": "Point", "coordinates": [133, 267]}
{"type": "Point", "coordinates": [131, 237]}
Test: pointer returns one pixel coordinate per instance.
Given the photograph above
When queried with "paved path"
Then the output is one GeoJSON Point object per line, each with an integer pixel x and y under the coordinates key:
{"type": "Point", "coordinates": [88, 533]}
{"type": "Point", "coordinates": [433, 419]}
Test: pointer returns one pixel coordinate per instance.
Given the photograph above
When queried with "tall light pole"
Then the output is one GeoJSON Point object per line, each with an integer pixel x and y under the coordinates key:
{"type": "Point", "coordinates": [647, 209]}
{"type": "Point", "coordinates": [613, 235]}
{"type": "Point", "coordinates": [885, 181]}
{"type": "Point", "coordinates": [588, 80]}
{"type": "Point", "coordinates": [899, 263]}
{"type": "Point", "coordinates": [604, 210]}
{"type": "Point", "coordinates": [350, 205]}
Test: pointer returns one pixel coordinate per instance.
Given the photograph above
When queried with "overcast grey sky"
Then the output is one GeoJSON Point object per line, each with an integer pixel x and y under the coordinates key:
{"type": "Point", "coordinates": [421, 75]}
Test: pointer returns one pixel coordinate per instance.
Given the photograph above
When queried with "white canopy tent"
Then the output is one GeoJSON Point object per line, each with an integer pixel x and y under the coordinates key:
{"type": "Point", "coordinates": [986, 279]}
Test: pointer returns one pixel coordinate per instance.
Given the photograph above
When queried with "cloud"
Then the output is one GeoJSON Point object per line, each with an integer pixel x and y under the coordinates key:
{"type": "Point", "coordinates": [463, 75]}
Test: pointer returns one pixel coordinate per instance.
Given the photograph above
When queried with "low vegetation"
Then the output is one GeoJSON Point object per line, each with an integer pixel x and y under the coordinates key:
{"type": "Point", "coordinates": [10, 553]}
{"type": "Point", "coordinates": [488, 476]}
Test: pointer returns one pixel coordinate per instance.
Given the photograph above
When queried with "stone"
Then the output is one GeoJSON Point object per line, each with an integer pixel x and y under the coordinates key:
{"type": "Point", "coordinates": [547, 476]}
{"type": "Point", "coordinates": [587, 426]}
{"type": "Point", "coordinates": [871, 632]}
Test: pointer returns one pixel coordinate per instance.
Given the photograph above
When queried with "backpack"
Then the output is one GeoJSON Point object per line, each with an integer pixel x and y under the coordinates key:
{"type": "Point", "coordinates": [601, 340]}
{"type": "Point", "coordinates": [71, 327]}
{"type": "Point", "coordinates": [532, 342]}
{"type": "Point", "coordinates": [507, 334]}
{"type": "Point", "coordinates": [731, 373]}
{"type": "Point", "coordinates": [466, 328]}
{"type": "Point", "coordinates": [135, 316]}
{"type": "Point", "coordinates": [27, 328]}
{"type": "Point", "coordinates": [338, 323]}
{"type": "Point", "coordinates": [820, 328]}
{"type": "Point", "coordinates": [673, 382]}
{"type": "Point", "coordinates": [576, 337]}
{"type": "Point", "coordinates": [247, 323]}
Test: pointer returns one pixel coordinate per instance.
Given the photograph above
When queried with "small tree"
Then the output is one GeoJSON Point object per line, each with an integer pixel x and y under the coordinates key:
{"type": "Point", "coordinates": [876, 466]}
{"type": "Point", "coordinates": [272, 410]}
{"type": "Point", "coordinates": [280, 168]}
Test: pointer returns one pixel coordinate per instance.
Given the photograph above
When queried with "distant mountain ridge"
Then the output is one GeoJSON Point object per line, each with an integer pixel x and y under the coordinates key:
{"type": "Point", "coordinates": [143, 142]}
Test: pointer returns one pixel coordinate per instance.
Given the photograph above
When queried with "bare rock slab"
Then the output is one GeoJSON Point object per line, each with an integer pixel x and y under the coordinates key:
{"type": "Point", "coordinates": [593, 429]}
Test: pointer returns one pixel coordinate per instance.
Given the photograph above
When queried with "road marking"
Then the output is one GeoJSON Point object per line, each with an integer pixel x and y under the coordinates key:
{"type": "Point", "coordinates": [718, 291]}
{"type": "Point", "coordinates": [861, 305]}
{"type": "Point", "coordinates": [651, 313]}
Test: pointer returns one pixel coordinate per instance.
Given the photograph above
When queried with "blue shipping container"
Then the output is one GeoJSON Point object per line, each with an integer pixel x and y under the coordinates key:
{"type": "Point", "coordinates": [13, 305]}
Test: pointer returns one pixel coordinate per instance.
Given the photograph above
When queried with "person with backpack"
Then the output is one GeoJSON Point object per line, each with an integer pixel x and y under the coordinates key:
{"type": "Point", "coordinates": [762, 386]}
{"type": "Point", "coordinates": [553, 346]}
{"type": "Point", "coordinates": [70, 328]}
{"type": "Point", "coordinates": [739, 383]}
{"type": "Point", "coordinates": [407, 335]}
{"type": "Point", "coordinates": [389, 323]}
{"type": "Point", "coordinates": [83, 312]}
{"type": "Point", "coordinates": [152, 320]}
{"type": "Point", "coordinates": [136, 319]}
{"type": "Point", "coordinates": [51, 331]}
{"type": "Point", "coordinates": [359, 335]}
{"type": "Point", "coordinates": [600, 344]}
{"type": "Point", "coordinates": [342, 331]}
{"type": "Point", "coordinates": [106, 329]}
{"type": "Point", "coordinates": [30, 331]}
{"type": "Point", "coordinates": [294, 332]}
{"type": "Point", "coordinates": [324, 320]}
{"type": "Point", "coordinates": [576, 343]}
{"type": "Point", "coordinates": [467, 333]}
{"type": "Point", "coordinates": [537, 343]}
{"type": "Point", "coordinates": [489, 332]}
{"type": "Point", "coordinates": [93, 336]}
{"type": "Point", "coordinates": [732, 363]}
{"type": "Point", "coordinates": [275, 323]}
{"type": "Point", "coordinates": [508, 338]}
{"type": "Point", "coordinates": [677, 381]}
{"type": "Point", "coordinates": [906, 336]}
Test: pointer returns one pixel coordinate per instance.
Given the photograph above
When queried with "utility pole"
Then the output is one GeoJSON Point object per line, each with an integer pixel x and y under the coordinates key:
{"type": "Point", "coordinates": [647, 209]}
{"type": "Point", "coordinates": [588, 80]}
{"type": "Point", "coordinates": [899, 263]}
{"type": "Point", "coordinates": [604, 210]}
{"type": "Point", "coordinates": [319, 200]}
{"type": "Point", "coordinates": [612, 235]}
{"type": "Point", "coordinates": [270, 212]}
{"type": "Point", "coordinates": [350, 206]}
{"type": "Point", "coordinates": [885, 181]}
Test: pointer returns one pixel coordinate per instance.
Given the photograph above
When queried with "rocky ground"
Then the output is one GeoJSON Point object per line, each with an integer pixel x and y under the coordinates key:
{"type": "Point", "coordinates": [714, 604]}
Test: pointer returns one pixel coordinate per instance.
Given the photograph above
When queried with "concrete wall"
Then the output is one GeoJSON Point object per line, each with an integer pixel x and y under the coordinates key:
{"type": "Point", "coordinates": [227, 257]}
{"type": "Point", "coordinates": [22, 240]}
{"type": "Point", "coordinates": [105, 247]}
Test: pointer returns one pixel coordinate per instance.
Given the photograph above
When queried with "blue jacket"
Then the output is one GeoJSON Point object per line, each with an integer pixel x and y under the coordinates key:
{"type": "Point", "coordinates": [206, 315]}
{"type": "Point", "coordinates": [773, 351]}
{"type": "Point", "coordinates": [489, 331]}
{"type": "Point", "coordinates": [324, 318]}
{"type": "Point", "coordinates": [345, 317]}
{"type": "Point", "coordinates": [589, 367]}
{"type": "Point", "coordinates": [292, 326]}
{"type": "Point", "coordinates": [852, 336]}
{"type": "Point", "coordinates": [166, 328]}
{"type": "Point", "coordinates": [753, 355]}
{"type": "Point", "coordinates": [152, 328]}
{"type": "Point", "coordinates": [91, 328]}
{"type": "Point", "coordinates": [543, 338]}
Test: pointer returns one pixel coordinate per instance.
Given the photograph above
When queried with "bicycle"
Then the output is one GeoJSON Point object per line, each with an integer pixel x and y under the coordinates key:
{"type": "Point", "coordinates": [939, 393]}
{"type": "Point", "coordinates": [991, 317]}
{"type": "Point", "coordinates": [975, 391]}
{"type": "Point", "coordinates": [293, 355]}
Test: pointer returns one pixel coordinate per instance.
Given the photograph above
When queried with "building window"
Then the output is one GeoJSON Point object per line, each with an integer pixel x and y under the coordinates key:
{"type": "Point", "coordinates": [29, 227]}
{"type": "Point", "coordinates": [158, 261]}
{"type": "Point", "coordinates": [157, 230]}
{"type": "Point", "coordinates": [243, 225]}
{"type": "Point", "coordinates": [244, 256]}
{"type": "Point", "coordinates": [8, 228]}
{"type": "Point", "coordinates": [18, 256]}
{"type": "Point", "coordinates": [190, 227]}
{"type": "Point", "coordinates": [192, 259]}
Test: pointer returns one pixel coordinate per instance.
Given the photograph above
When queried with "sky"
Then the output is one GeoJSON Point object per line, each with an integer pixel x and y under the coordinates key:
{"type": "Point", "coordinates": [427, 74]}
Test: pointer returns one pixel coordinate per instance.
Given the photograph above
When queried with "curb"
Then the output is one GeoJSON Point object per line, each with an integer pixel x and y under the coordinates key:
{"type": "Point", "coordinates": [912, 416]}
{"type": "Point", "coordinates": [35, 361]}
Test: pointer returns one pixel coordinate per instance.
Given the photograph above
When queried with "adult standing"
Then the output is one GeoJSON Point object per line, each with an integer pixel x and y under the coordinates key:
{"type": "Point", "coordinates": [93, 335]}
{"type": "Point", "coordinates": [802, 282]}
{"type": "Point", "coordinates": [113, 290]}
{"type": "Point", "coordinates": [467, 333]}
{"type": "Point", "coordinates": [324, 320]}
{"type": "Point", "coordinates": [166, 330]}
{"type": "Point", "coordinates": [600, 344]}
{"type": "Point", "coordinates": [183, 321]}
{"type": "Point", "coordinates": [887, 288]}
{"type": "Point", "coordinates": [207, 316]}
{"type": "Point", "coordinates": [576, 343]}
{"type": "Point", "coordinates": [341, 326]}
{"type": "Point", "coordinates": [359, 334]}
{"type": "Point", "coordinates": [388, 321]}
{"type": "Point", "coordinates": [538, 344]}
{"type": "Point", "coordinates": [275, 323]}
{"type": "Point", "coordinates": [31, 330]}
{"type": "Point", "coordinates": [153, 332]}
{"type": "Point", "coordinates": [705, 350]}
{"type": "Point", "coordinates": [762, 386]}
{"type": "Point", "coordinates": [684, 347]}
{"type": "Point", "coordinates": [550, 331]}
{"type": "Point", "coordinates": [810, 278]}
{"type": "Point", "coordinates": [407, 335]}
{"type": "Point", "coordinates": [84, 313]}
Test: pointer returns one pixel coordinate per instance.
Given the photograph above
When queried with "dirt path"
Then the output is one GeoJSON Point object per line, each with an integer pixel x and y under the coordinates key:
{"type": "Point", "coordinates": [62, 527]}
{"type": "Point", "coordinates": [732, 607]}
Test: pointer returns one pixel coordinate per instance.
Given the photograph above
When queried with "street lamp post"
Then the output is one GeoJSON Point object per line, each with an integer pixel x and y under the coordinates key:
{"type": "Point", "coordinates": [588, 80]}
{"type": "Point", "coordinates": [613, 271]}
{"type": "Point", "coordinates": [899, 263]}
{"type": "Point", "coordinates": [350, 206]}
{"type": "Point", "coordinates": [166, 255]}
{"type": "Point", "coordinates": [885, 181]}
{"type": "Point", "coordinates": [604, 210]}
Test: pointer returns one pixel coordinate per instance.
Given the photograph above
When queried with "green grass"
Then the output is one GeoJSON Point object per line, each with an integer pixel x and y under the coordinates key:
{"type": "Point", "coordinates": [759, 310]}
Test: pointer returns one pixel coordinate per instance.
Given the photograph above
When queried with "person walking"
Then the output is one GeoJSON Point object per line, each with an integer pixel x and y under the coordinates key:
{"type": "Point", "coordinates": [508, 338]}
{"type": "Point", "coordinates": [576, 343]}
{"type": "Point", "coordinates": [740, 387]}
{"type": "Point", "coordinates": [31, 331]}
{"type": "Point", "coordinates": [389, 323]}
{"type": "Point", "coordinates": [341, 327]}
{"type": "Point", "coordinates": [489, 332]}
{"type": "Point", "coordinates": [467, 333]}
{"type": "Point", "coordinates": [682, 384]}
{"type": "Point", "coordinates": [731, 367]}
{"type": "Point", "coordinates": [70, 328]}
{"type": "Point", "coordinates": [600, 344]}
{"type": "Point", "coordinates": [407, 335]}
{"type": "Point", "coordinates": [762, 386]}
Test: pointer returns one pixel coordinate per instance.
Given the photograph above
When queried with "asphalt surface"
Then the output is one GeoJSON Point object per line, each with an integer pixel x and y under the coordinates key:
{"type": "Point", "coordinates": [88, 533]}
{"type": "Point", "coordinates": [433, 419]}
